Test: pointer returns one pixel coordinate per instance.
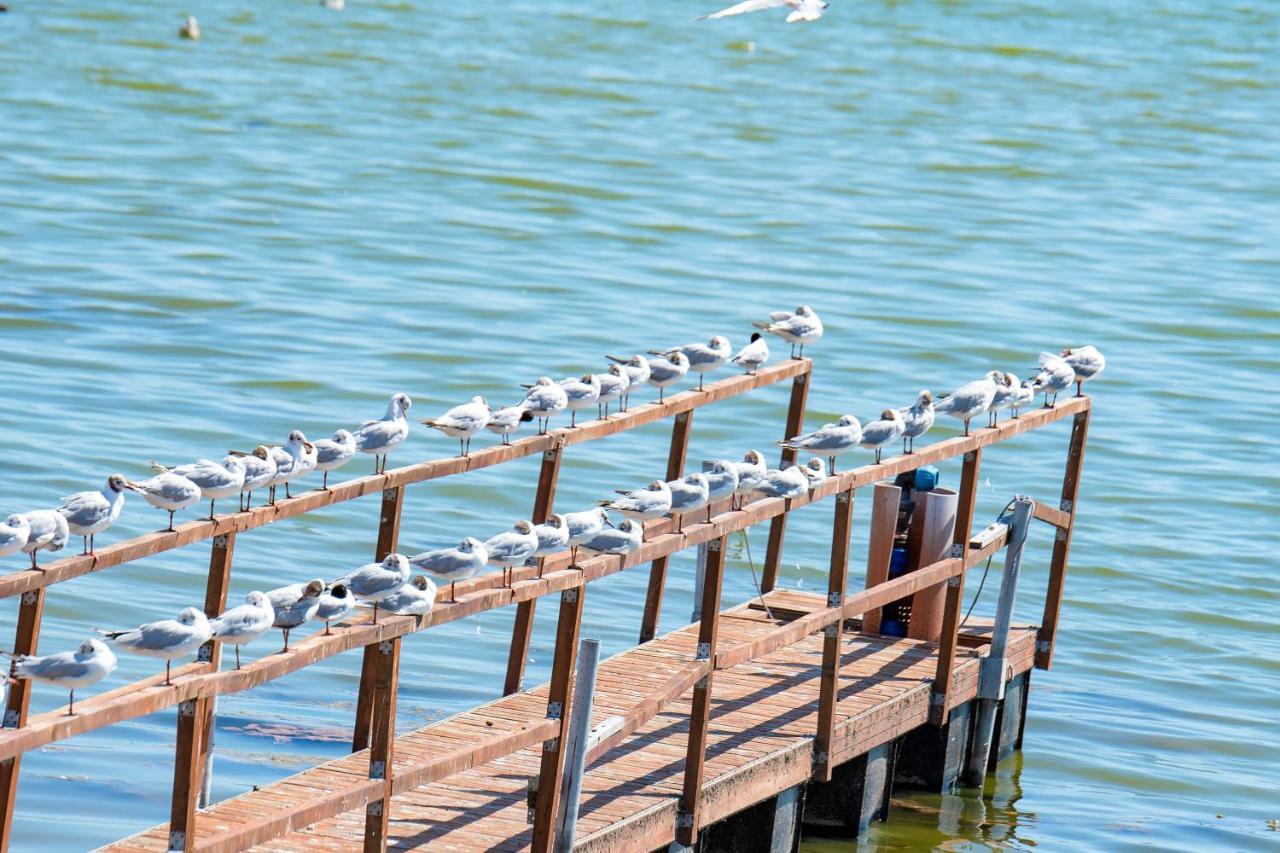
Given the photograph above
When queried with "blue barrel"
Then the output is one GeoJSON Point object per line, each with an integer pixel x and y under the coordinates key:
{"type": "Point", "coordinates": [927, 478]}
{"type": "Point", "coordinates": [893, 628]}
{"type": "Point", "coordinates": [897, 562]}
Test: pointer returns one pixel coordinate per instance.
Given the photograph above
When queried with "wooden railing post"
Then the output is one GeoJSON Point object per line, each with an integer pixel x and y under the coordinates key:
{"type": "Point", "coordinates": [382, 743]}
{"type": "Point", "coordinates": [680, 431]}
{"type": "Point", "coordinates": [778, 528]}
{"type": "Point", "coordinates": [194, 743]}
{"type": "Point", "coordinates": [829, 688]}
{"type": "Point", "coordinates": [25, 642]}
{"type": "Point", "coordinates": [551, 772]}
{"type": "Point", "coordinates": [388, 538]}
{"type": "Point", "coordinates": [940, 697]}
{"type": "Point", "coordinates": [1062, 541]}
{"type": "Point", "coordinates": [522, 630]}
{"type": "Point", "coordinates": [700, 716]}
{"type": "Point", "coordinates": [885, 499]}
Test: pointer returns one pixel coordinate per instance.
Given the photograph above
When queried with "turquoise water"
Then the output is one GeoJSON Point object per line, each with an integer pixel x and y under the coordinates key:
{"type": "Point", "coordinates": [206, 245]}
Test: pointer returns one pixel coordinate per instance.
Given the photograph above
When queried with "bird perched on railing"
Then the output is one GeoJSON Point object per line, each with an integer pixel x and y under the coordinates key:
{"type": "Point", "coordinates": [373, 582]}
{"type": "Point", "coordinates": [512, 548]}
{"type": "Point", "coordinates": [1056, 374]}
{"type": "Point", "coordinates": [702, 358]}
{"type": "Point", "coordinates": [384, 435]}
{"type": "Point", "coordinates": [86, 666]}
{"type": "Point", "coordinates": [813, 471]}
{"type": "Point", "coordinates": [613, 384]}
{"type": "Point", "coordinates": [1007, 390]}
{"type": "Point", "coordinates": [583, 526]}
{"type": "Point", "coordinates": [14, 531]}
{"type": "Point", "coordinates": [791, 482]}
{"type": "Point", "coordinates": [665, 371]}
{"type": "Point", "coordinates": [802, 327]}
{"type": "Point", "coordinates": [544, 399]}
{"type": "Point", "coordinates": [722, 482]}
{"type": "Point", "coordinates": [653, 501]}
{"type": "Point", "coordinates": [637, 370]}
{"type": "Point", "coordinates": [244, 623]}
{"type": "Point", "coordinates": [336, 603]}
{"type": "Point", "coordinates": [463, 561]}
{"type": "Point", "coordinates": [829, 441]}
{"type": "Point", "coordinates": [46, 531]}
{"type": "Point", "coordinates": [1087, 362]}
{"type": "Point", "coordinates": [627, 537]}
{"type": "Point", "coordinates": [689, 494]}
{"type": "Point", "coordinates": [333, 453]}
{"type": "Point", "coordinates": [751, 471]}
{"type": "Point", "coordinates": [296, 459]}
{"type": "Point", "coordinates": [167, 639]}
{"type": "Point", "coordinates": [462, 422]}
{"type": "Point", "coordinates": [971, 399]}
{"type": "Point", "coordinates": [88, 513]}
{"type": "Point", "coordinates": [753, 355]}
{"type": "Point", "coordinates": [887, 429]}
{"type": "Point", "coordinates": [215, 479]}
{"type": "Point", "coordinates": [580, 393]}
{"type": "Point", "coordinates": [416, 598]}
{"type": "Point", "coordinates": [259, 471]}
{"type": "Point", "coordinates": [553, 535]}
{"type": "Point", "coordinates": [295, 605]}
{"type": "Point", "coordinates": [507, 420]}
{"type": "Point", "coordinates": [169, 492]}
{"type": "Point", "coordinates": [917, 419]}
{"type": "Point", "coordinates": [1023, 395]}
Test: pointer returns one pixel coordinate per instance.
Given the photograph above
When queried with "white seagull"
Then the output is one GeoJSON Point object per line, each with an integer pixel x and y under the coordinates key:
{"type": "Point", "coordinates": [783, 483]}
{"type": "Point", "coordinates": [801, 10]}
{"type": "Point", "coordinates": [688, 494]}
{"type": "Point", "coordinates": [374, 581]}
{"type": "Point", "coordinates": [653, 501]}
{"type": "Point", "coordinates": [703, 358]}
{"type": "Point", "coordinates": [802, 327]}
{"type": "Point", "coordinates": [971, 399]}
{"type": "Point", "coordinates": [1087, 362]}
{"type": "Point", "coordinates": [829, 441]}
{"type": "Point", "coordinates": [244, 623]}
{"type": "Point", "coordinates": [167, 639]}
{"type": "Point", "coordinates": [544, 399]}
{"type": "Point", "coordinates": [336, 603]}
{"type": "Point", "coordinates": [454, 564]}
{"type": "Point", "coordinates": [168, 491]}
{"type": "Point", "coordinates": [917, 419]}
{"type": "Point", "coordinates": [512, 548]}
{"type": "Point", "coordinates": [295, 605]}
{"type": "Point", "coordinates": [507, 420]}
{"type": "Point", "coordinates": [722, 482]}
{"type": "Point", "coordinates": [553, 535]}
{"type": "Point", "coordinates": [627, 537]}
{"type": "Point", "coordinates": [613, 385]}
{"type": "Point", "coordinates": [1023, 396]}
{"type": "Point", "coordinates": [814, 471]}
{"type": "Point", "coordinates": [87, 665]}
{"type": "Point", "coordinates": [13, 534]}
{"type": "Point", "coordinates": [416, 598]}
{"type": "Point", "coordinates": [1006, 390]}
{"type": "Point", "coordinates": [637, 370]}
{"type": "Point", "coordinates": [216, 479]}
{"type": "Point", "coordinates": [888, 429]}
{"type": "Point", "coordinates": [580, 393]}
{"type": "Point", "coordinates": [380, 437]}
{"type": "Point", "coordinates": [753, 355]}
{"type": "Point", "coordinates": [462, 422]}
{"type": "Point", "coordinates": [259, 471]}
{"type": "Point", "coordinates": [88, 513]}
{"type": "Point", "coordinates": [1056, 374]}
{"type": "Point", "coordinates": [583, 526]}
{"type": "Point", "coordinates": [333, 453]}
{"type": "Point", "coordinates": [751, 471]}
{"type": "Point", "coordinates": [667, 370]}
{"type": "Point", "coordinates": [302, 461]}
{"type": "Point", "coordinates": [47, 530]}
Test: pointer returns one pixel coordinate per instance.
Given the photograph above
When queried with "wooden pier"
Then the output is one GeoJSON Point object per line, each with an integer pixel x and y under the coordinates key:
{"type": "Point", "coordinates": [747, 721]}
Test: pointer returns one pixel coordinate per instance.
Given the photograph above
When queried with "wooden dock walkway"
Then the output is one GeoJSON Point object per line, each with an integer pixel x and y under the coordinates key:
{"type": "Point", "coordinates": [760, 742]}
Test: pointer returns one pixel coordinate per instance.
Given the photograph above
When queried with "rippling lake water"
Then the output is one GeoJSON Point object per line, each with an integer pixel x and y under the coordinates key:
{"type": "Point", "coordinates": [205, 245]}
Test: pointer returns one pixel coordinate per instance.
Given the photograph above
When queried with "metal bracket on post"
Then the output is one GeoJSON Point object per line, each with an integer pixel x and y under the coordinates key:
{"type": "Point", "coordinates": [378, 770]}
{"type": "Point", "coordinates": [386, 646]}
{"type": "Point", "coordinates": [1066, 505]}
{"type": "Point", "coordinates": [220, 541]}
{"type": "Point", "coordinates": [957, 550]}
{"type": "Point", "coordinates": [10, 719]}
{"type": "Point", "coordinates": [374, 809]}
{"type": "Point", "coordinates": [187, 708]}
{"type": "Point", "coordinates": [832, 630]}
{"type": "Point", "coordinates": [569, 596]}
{"type": "Point", "coordinates": [953, 582]}
{"type": "Point", "coordinates": [391, 495]}
{"type": "Point", "coordinates": [177, 840]}
{"type": "Point", "coordinates": [835, 599]}
{"type": "Point", "coordinates": [29, 598]}
{"type": "Point", "coordinates": [713, 545]}
{"type": "Point", "coordinates": [205, 653]}
{"type": "Point", "coordinates": [555, 710]}
{"type": "Point", "coordinates": [704, 651]}
{"type": "Point", "coordinates": [684, 820]}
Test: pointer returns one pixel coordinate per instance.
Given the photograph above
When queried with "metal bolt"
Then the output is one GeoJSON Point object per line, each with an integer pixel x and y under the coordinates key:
{"type": "Point", "coordinates": [554, 710]}
{"type": "Point", "coordinates": [220, 541]}
{"type": "Point", "coordinates": [714, 545]}
{"type": "Point", "coordinates": [704, 651]}
{"type": "Point", "coordinates": [832, 630]}
{"type": "Point", "coordinates": [1042, 646]}
{"type": "Point", "coordinates": [953, 582]}
{"type": "Point", "coordinates": [551, 745]}
{"type": "Point", "coordinates": [386, 646]}
{"type": "Point", "coordinates": [569, 596]}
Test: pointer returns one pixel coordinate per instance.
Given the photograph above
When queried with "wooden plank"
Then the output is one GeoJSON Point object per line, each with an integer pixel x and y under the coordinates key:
{"type": "Point", "coordinates": [149, 544]}
{"type": "Point", "coordinates": [382, 744]}
{"type": "Point", "coordinates": [778, 528]}
{"type": "Point", "coordinates": [551, 771]}
{"type": "Point", "coordinates": [522, 631]}
{"type": "Point", "coordinates": [388, 541]}
{"type": "Point", "coordinates": [841, 529]}
{"type": "Point", "coordinates": [1062, 542]}
{"type": "Point", "coordinates": [939, 700]}
{"type": "Point", "coordinates": [885, 500]}
{"type": "Point", "coordinates": [680, 431]}
{"type": "Point", "coordinates": [700, 714]}
{"type": "Point", "coordinates": [1052, 515]}
{"type": "Point", "coordinates": [479, 595]}
{"type": "Point", "coordinates": [26, 641]}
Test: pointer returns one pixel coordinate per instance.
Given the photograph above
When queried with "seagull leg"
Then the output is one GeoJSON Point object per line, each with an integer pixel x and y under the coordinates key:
{"type": "Point", "coordinates": [1079, 390]}
{"type": "Point", "coordinates": [34, 564]}
{"type": "Point", "coordinates": [85, 550]}
{"type": "Point", "coordinates": [700, 375]}
{"type": "Point", "coordinates": [966, 426]}
{"type": "Point", "coordinates": [324, 483]}
{"type": "Point", "coordinates": [453, 592]}
{"type": "Point", "coordinates": [573, 418]}
{"type": "Point", "coordinates": [287, 493]}
{"type": "Point", "coordinates": [91, 535]}
{"type": "Point", "coordinates": [237, 655]}
{"type": "Point", "coordinates": [877, 455]}
{"type": "Point", "coordinates": [211, 503]}
{"type": "Point", "coordinates": [661, 393]}
{"type": "Point", "coordinates": [708, 512]}
{"type": "Point", "coordinates": [167, 665]}
{"type": "Point", "coordinates": [170, 529]}
{"type": "Point", "coordinates": [285, 631]}
{"type": "Point", "coordinates": [831, 465]}
{"type": "Point", "coordinates": [462, 447]}
{"type": "Point", "coordinates": [71, 704]}
{"type": "Point", "coordinates": [375, 613]}
{"type": "Point", "coordinates": [327, 632]}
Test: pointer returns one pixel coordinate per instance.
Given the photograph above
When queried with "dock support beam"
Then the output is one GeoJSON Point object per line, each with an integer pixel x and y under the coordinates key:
{"type": "Point", "coordinates": [551, 772]}
{"type": "Point", "coordinates": [25, 642]}
{"type": "Point", "coordinates": [388, 536]}
{"type": "Point", "coordinates": [778, 527]}
{"type": "Point", "coordinates": [522, 631]}
{"type": "Point", "coordinates": [772, 826]}
{"type": "Point", "coordinates": [680, 431]}
{"type": "Point", "coordinates": [1062, 543]}
{"type": "Point", "coordinates": [940, 697]}
{"type": "Point", "coordinates": [932, 758]}
{"type": "Point", "coordinates": [386, 677]}
{"type": "Point", "coordinates": [857, 794]}
{"type": "Point", "coordinates": [829, 687]}
{"type": "Point", "coordinates": [991, 672]}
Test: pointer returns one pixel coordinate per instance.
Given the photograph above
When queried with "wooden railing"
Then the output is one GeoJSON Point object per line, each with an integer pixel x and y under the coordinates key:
{"type": "Point", "coordinates": [196, 685]}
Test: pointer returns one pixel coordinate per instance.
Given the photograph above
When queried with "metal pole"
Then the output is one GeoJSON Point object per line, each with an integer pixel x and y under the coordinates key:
{"type": "Point", "coordinates": [206, 782]}
{"type": "Point", "coordinates": [698, 583]}
{"type": "Point", "coordinates": [991, 669]}
{"type": "Point", "coordinates": [584, 688]}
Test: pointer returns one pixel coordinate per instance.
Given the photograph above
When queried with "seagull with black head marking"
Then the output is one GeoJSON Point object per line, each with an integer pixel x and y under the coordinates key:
{"type": "Point", "coordinates": [543, 399]}
{"type": "Point", "coordinates": [295, 605]}
{"type": "Point", "coordinates": [507, 420]}
{"type": "Point", "coordinates": [613, 385]}
{"type": "Point", "coordinates": [88, 513]}
{"type": "Point", "coordinates": [665, 371]}
{"type": "Point", "coordinates": [753, 355]}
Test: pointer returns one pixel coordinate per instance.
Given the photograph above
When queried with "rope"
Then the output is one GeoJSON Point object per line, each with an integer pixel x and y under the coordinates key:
{"type": "Point", "coordinates": [755, 580]}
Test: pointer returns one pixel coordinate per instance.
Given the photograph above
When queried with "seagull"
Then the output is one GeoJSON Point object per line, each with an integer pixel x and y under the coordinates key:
{"type": "Point", "coordinates": [1056, 373]}
{"type": "Point", "coordinates": [383, 436]}
{"type": "Point", "coordinates": [462, 422]}
{"type": "Point", "coordinates": [751, 471]}
{"type": "Point", "coordinates": [13, 534]}
{"type": "Point", "coordinates": [167, 639]}
{"type": "Point", "coordinates": [782, 483]}
{"type": "Point", "coordinates": [627, 537]}
{"type": "Point", "coordinates": [416, 598]}
{"type": "Point", "coordinates": [47, 530]}
{"type": "Point", "coordinates": [753, 355]}
{"type": "Point", "coordinates": [613, 385]}
{"type": "Point", "coordinates": [703, 358]}
{"type": "Point", "coordinates": [88, 513]}
{"type": "Point", "coordinates": [722, 482]}
{"type": "Point", "coordinates": [688, 494]}
{"type": "Point", "coordinates": [664, 371]}
{"type": "Point", "coordinates": [167, 491]}
{"type": "Point", "coordinates": [334, 5]}
{"type": "Point", "coordinates": [453, 564]}
{"type": "Point", "coordinates": [259, 471]}
{"type": "Point", "coordinates": [544, 399]}
{"type": "Point", "coordinates": [802, 327]}
{"type": "Point", "coordinates": [215, 479]}
{"type": "Point", "coordinates": [917, 420]}
{"type": "Point", "coordinates": [813, 471]}
{"type": "Point", "coordinates": [245, 623]}
{"type": "Point", "coordinates": [507, 420]}
{"type": "Point", "coordinates": [374, 581]}
{"type": "Point", "coordinates": [801, 10]}
{"type": "Point", "coordinates": [301, 460]}
{"type": "Point", "coordinates": [829, 441]}
{"type": "Point", "coordinates": [1006, 389]}
{"type": "Point", "coordinates": [294, 605]}
{"type": "Point", "coordinates": [553, 535]}
{"type": "Point", "coordinates": [87, 665]}
{"type": "Point", "coordinates": [1087, 362]}
{"type": "Point", "coordinates": [580, 394]}
{"type": "Point", "coordinates": [637, 370]}
{"type": "Point", "coordinates": [336, 603]}
{"type": "Point", "coordinates": [583, 526]}
{"type": "Point", "coordinates": [653, 501]}
{"type": "Point", "coordinates": [1024, 394]}
{"type": "Point", "coordinates": [888, 429]}
{"type": "Point", "coordinates": [969, 400]}
{"type": "Point", "coordinates": [190, 29]}
{"type": "Point", "coordinates": [512, 548]}
{"type": "Point", "coordinates": [333, 453]}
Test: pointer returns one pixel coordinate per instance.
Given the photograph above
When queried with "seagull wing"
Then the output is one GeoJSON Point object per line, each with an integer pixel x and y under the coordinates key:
{"type": "Point", "coordinates": [748, 6]}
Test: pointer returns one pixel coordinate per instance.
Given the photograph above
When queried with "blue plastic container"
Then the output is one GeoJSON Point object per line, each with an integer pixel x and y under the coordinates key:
{"type": "Point", "coordinates": [927, 478]}
{"type": "Point", "coordinates": [897, 562]}
{"type": "Point", "coordinates": [892, 628]}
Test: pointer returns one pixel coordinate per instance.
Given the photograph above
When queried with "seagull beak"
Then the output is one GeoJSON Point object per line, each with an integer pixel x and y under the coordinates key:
{"type": "Point", "coordinates": [132, 486]}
